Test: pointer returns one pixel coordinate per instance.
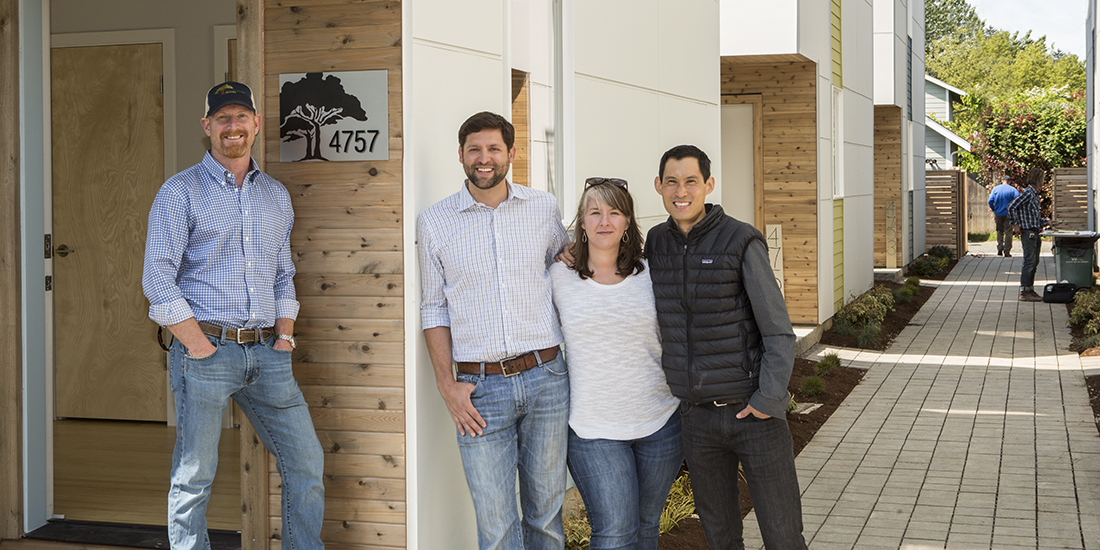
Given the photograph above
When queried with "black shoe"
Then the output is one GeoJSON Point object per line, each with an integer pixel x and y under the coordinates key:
{"type": "Point", "coordinates": [1000, 252]}
{"type": "Point", "coordinates": [1007, 255]}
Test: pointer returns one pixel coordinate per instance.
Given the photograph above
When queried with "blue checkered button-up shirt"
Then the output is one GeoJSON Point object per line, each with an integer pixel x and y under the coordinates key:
{"type": "Point", "coordinates": [484, 272]}
{"type": "Point", "coordinates": [218, 252]}
{"type": "Point", "coordinates": [1024, 210]}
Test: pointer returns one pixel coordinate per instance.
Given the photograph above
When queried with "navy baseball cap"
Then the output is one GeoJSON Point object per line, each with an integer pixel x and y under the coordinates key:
{"type": "Point", "coordinates": [229, 93]}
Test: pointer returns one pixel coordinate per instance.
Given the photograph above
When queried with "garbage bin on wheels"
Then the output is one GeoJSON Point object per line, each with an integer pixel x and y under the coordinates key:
{"type": "Point", "coordinates": [1074, 255]}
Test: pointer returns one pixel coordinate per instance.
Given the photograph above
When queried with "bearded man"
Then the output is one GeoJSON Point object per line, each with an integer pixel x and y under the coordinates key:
{"type": "Point", "coordinates": [486, 307]}
{"type": "Point", "coordinates": [218, 273]}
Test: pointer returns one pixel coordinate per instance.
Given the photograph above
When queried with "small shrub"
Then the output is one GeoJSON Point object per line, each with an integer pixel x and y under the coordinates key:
{"type": "Point", "coordinates": [913, 282]}
{"type": "Point", "coordinates": [941, 251]}
{"type": "Point", "coordinates": [827, 364]}
{"type": "Point", "coordinates": [902, 295]}
{"type": "Point", "coordinates": [980, 237]}
{"type": "Point", "coordinates": [578, 532]}
{"type": "Point", "coordinates": [680, 503]}
{"type": "Point", "coordinates": [1086, 307]}
{"type": "Point", "coordinates": [791, 403]}
{"type": "Point", "coordinates": [812, 386]}
{"type": "Point", "coordinates": [871, 307]}
{"type": "Point", "coordinates": [925, 266]}
{"type": "Point", "coordinates": [868, 335]}
{"type": "Point", "coordinates": [844, 328]}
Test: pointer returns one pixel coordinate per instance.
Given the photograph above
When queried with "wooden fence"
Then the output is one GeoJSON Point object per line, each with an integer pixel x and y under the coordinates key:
{"type": "Point", "coordinates": [1070, 199]}
{"type": "Point", "coordinates": [945, 205]}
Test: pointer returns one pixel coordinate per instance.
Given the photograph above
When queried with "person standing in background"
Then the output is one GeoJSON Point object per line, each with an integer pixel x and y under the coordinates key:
{"type": "Point", "coordinates": [999, 198]}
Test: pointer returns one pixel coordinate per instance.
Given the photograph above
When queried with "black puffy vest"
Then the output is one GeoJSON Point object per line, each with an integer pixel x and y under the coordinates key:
{"type": "Point", "coordinates": [712, 346]}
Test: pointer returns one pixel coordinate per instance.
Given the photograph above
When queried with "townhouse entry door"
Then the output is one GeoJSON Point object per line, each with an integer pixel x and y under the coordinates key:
{"type": "Point", "coordinates": [108, 163]}
{"type": "Point", "coordinates": [112, 444]}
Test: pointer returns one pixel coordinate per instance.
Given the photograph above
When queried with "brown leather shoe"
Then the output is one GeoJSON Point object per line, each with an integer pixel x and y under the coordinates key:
{"type": "Point", "coordinates": [1030, 296]}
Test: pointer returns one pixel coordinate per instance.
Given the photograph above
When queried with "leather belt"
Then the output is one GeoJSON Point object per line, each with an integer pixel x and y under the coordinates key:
{"type": "Point", "coordinates": [512, 366]}
{"type": "Point", "coordinates": [241, 336]}
{"type": "Point", "coordinates": [725, 402]}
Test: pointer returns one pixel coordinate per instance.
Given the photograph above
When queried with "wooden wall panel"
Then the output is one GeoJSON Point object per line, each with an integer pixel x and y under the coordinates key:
{"type": "Point", "coordinates": [521, 111]}
{"type": "Point", "coordinates": [788, 93]}
{"type": "Point", "coordinates": [347, 246]}
{"type": "Point", "coordinates": [888, 170]}
{"type": "Point", "coordinates": [1071, 199]}
{"type": "Point", "coordinates": [945, 205]}
{"type": "Point", "coordinates": [11, 348]}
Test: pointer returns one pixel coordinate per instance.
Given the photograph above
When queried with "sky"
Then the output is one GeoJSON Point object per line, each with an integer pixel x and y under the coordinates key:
{"type": "Point", "coordinates": [1062, 21]}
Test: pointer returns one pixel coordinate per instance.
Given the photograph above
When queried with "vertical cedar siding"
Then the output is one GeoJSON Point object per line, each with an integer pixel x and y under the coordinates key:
{"type": "Point", "coordinates": [888, 162]}
{"type": "Point", "coordinates": [347, 246]}
{"type": "Point", "coordinates": [11, 479]}
{"type": "Point", "coordinates": [521, 108]}
{"type": "Point", "coordinates": [788, 91]}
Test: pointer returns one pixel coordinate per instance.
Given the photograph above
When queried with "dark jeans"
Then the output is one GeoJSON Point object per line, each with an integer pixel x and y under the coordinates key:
{"type": "Point", "coordinates": [715, 442]}
{"type": "Point", "coordinates": [1004, 234]}
{"type": "Point", "coordinates": [1029, 240]}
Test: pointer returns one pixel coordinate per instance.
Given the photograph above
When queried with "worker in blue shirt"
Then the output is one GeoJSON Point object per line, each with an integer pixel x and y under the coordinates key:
{"type": "Point", "coordinates": [999, 199]}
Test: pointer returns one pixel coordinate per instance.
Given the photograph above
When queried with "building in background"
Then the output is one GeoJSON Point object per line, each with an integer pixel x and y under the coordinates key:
{"type": "Point", "coordinates": [941, 144]}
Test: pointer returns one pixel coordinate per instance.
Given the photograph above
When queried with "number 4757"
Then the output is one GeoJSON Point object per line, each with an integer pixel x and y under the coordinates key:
{"type": "Point", "coordinates": [361, 144]}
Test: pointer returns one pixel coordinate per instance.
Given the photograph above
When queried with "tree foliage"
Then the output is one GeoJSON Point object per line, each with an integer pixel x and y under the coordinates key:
{"type": "Point", "coordinates": [1026, 102]}
{"type": "Point", "coordinates": [1040, 128]}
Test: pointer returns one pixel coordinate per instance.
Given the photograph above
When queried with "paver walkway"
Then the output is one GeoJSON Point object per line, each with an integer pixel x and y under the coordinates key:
{"type": "Point", "coordinates": [973, 431]}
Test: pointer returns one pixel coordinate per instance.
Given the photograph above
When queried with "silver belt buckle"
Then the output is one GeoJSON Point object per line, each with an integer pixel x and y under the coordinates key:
{"type": "Point", "coordinates": [504, 366]}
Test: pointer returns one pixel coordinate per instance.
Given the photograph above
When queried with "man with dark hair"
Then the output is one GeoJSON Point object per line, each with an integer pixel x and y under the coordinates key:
{"type": "Point", "coordinates": [1026, 217]}
{"type": "Point", "coordinates": [999, 199]}
{"type": "Point", "coordinates": [218, 273]}
{"type": "Point", "coordinates": [486, 307]}
{"type": "Point", "coordinates": [728, 352]}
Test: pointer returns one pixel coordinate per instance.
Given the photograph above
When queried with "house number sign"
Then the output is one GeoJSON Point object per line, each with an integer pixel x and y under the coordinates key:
{"type": "Point", "coordinates": [334, 116]}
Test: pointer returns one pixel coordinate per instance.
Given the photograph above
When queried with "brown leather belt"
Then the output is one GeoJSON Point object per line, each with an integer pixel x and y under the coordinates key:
{"type": "Point", "coordinates": [512, 366]}
{"type": "Point", "coordinates": [241, 336]}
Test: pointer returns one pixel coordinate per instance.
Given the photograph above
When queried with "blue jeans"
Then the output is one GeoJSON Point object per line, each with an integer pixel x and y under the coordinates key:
{"type": "Point", "coordinates": [526, 419]}
{"type": "Point", "coordinates": [259, 378]}
{"type": "Point", "coordinates": [624, 484]}
{"type": "Point", "coordinates": [715, 442]}
{"type": "Point", "coordinates": [1029, 241]}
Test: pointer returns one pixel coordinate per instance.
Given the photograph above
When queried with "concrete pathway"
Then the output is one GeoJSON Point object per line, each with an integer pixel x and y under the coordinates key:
{"type": "Point", "coordinates": [973, 431]}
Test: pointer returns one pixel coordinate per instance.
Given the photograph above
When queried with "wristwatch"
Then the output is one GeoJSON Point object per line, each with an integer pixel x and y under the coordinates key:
{"type": "Point", "coordinates": [289, 338]}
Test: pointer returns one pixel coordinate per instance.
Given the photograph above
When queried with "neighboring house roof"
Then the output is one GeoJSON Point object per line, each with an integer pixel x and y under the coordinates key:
{"type": "Point", "coordinates": [943, 84]}
{"type": "Point", "coordinates": [939, 129]}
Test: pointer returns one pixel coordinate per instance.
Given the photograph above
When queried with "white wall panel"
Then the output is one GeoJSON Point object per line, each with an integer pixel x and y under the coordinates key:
{"type": "Point", "coordinates": [737, 173]}
{"type": "Point", "coordinates": [689, 122]}
{"type": "Point", "coordinates": [454, 24]}
{"type": "Point", "coordinates": [859, 245]}
{"type": "Point", "coordinates": [686, 67]}
{"type": "Point", "coordinates": [859, 174]}
{"type": "Point", "coordinates": [753, 28]}
{"type": "Point", "coordinates": [885, 65]}
{"type": "Point", "coordinates": [858, 46]}
{"type": "Point", "coordinates": [617, 40]}
{"type": "Point", "coordinates": [815, 34]}
{"type": "Point", "coordinates": [859, 119]}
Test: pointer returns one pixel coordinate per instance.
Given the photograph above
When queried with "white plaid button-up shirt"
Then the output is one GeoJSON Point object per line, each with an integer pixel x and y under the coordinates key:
{"type": "Point", "coordinates": [484, 272]}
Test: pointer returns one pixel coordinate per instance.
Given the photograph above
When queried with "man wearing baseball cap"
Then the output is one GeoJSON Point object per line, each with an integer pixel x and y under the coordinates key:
{"type": "Point", "coordinates": [218, 274]}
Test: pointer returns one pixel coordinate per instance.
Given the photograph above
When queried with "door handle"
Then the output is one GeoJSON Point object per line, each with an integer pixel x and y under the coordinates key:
{"type": "Point", "coordinates": [63, 250]}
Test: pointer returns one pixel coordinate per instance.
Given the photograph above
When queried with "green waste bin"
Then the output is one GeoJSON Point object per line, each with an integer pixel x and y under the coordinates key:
{"type": "Point", "coordinates": [1074, 256]}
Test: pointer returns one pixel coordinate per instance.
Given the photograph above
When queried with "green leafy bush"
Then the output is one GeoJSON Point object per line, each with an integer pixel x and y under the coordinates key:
{"type": "Point", "coordinates": [812, 385]}
{"type": "Point", "coordinates": [913, 282]}
{"type": "Point", "coordinates": [871, 307]}
{"type": "Point", "coordinates": [827, 364]}
{"type": "Point", "coordinates": [941, 251]}
{"type": "Point", "coordinates": [979, 237]}
{"type": "Point", "coordinates": [926, 266]}
{"type": "Point", "coordinates": [578, 532]}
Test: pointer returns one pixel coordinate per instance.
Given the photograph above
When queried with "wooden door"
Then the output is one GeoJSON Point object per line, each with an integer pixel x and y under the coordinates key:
{"type": "Point", "coordinates": [108, 163]}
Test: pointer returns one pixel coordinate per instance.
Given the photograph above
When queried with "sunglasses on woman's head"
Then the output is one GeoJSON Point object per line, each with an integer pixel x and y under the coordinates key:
{"type": "Point", "coordinates": [591, 182]}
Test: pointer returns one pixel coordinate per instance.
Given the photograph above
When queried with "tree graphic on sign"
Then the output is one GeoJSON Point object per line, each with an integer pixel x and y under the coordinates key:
{"type": "Point", "coordinates": [311, 103]}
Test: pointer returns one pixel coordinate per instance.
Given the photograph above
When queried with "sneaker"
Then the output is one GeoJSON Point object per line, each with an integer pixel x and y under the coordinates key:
{"type": "Point", "coordinates": [1030, 296]}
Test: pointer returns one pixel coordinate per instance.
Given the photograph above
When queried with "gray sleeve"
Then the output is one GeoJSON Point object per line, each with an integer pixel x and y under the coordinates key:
{"type": "Point", "coordinates": [770, 312]}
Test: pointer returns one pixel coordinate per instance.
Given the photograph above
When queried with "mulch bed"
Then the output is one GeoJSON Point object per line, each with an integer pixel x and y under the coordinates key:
{"type": "Point", "coordinates": [895, 321]}
{"type": "Point", "coordinates": [1091, 382]}
{"type": "Point", "coordinates": [688, 534]}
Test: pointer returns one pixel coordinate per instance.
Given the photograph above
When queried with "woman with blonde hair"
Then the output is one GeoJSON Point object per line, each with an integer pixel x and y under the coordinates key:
{"type": "Point", "coordinates": [624, 427]}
